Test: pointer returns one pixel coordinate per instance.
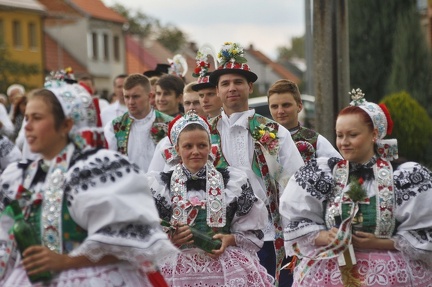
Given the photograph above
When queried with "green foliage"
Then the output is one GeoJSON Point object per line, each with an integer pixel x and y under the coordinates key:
{"type": "Point", "coordinates": [356, 191]}
{"type": "Point", "coordinates": [12, 72]}
{"type": "Point", "coordinates": [371, 42]}
{"type": "Point", "coordinates": [172, 38]}
{"type": "Point", "coordinates": [411, 64]}
{"type": "Point", "coordinates": [297, 49]}
{"type": "Point", "coordinates": [143, 25]}
{"type": "Point", "coordinates": [412, 127]}
{"type": "Point", "coordinates": [138, 23]}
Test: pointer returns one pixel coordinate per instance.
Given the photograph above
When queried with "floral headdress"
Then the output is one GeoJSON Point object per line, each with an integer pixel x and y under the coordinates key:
{"type": "Point", "coordinates": [177, 125]}
{"type": "Point", "coordinates": [382, 121]}
{"type": "Point", "coordinates": [232, 61]}
{"type": "Point", "coordinates": [178, 66]}
{"type": "Point", "coordinates": [201, 70]}
{"type": "Point", "coordinates": [78, 105]}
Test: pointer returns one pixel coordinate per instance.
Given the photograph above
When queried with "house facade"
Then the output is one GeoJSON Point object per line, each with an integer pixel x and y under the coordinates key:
{"type": "Point", "coordinates": [22, 38]}
{"type": "Point", "coordinates": [92, 34]}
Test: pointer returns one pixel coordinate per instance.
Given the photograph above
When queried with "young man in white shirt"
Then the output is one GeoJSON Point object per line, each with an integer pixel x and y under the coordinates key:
{"type": "Point", "coordinates": [137, 132]}
{"type": "Point", "coordinates": [257, 145]}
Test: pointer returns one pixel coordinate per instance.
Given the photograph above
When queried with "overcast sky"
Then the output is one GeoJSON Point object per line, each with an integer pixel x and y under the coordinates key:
{"type": "Point", "coordinates": [267, 24]}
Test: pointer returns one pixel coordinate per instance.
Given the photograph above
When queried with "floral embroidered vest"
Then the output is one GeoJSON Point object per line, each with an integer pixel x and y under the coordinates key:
{"type": "Point", "coordinates": [306, 142]}
{"type": "Point", "coordinates": [122, 126]}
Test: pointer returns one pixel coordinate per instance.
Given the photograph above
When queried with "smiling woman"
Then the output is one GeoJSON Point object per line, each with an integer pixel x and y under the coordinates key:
{"type": "Point", "coordinates": [211, 214]}
{"type": "Point", "coordinates": [343, 216]}
{"type": "Point", "coordinates": [75, 195]}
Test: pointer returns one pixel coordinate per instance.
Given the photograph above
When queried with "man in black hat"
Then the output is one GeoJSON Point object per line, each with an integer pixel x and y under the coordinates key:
{"type": "Point", "coordinates": [255, 144]}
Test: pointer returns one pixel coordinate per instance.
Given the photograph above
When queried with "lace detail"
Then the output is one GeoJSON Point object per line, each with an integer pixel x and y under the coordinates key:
{"type": "Point", "coordinates": [246, 200]}
{"type": "Point", "coordinates": [408, 183]}
{"type": "Point", "coordinates": [138, 257]}
{"type": "Point", "coordinates": [239, 140]}
{"type": "Point", "coordinates": [6, 146]}
{"type": "Point", "coordinates": [234, 268]}
{"type": "Point", "coordinates": [305, 243]}
{"type": "Point", "coordinates": [408, 250]}
{"type": "Point", "coordinates": [99, 171]}
{"type": "Point", "coordinates": [311, 178]}
{"type": "Point", "coordinates": [246, 244]}
{"type": "Point", "coordinates": [114, 275]}
{"type": "Point", "coordinates": [163, 206]}
{"type": "Point", "coordinates": [375, 268]}
{"type": "Point", "coordinates": [136, 231]}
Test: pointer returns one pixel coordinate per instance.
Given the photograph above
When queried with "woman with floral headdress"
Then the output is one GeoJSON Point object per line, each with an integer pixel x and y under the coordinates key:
{"type": "Point", "coordinates": [212, 215]}
{"type": "Point", "coordinates": [360, 221]}
{"type": "Point", "coordinates": [90, 207]}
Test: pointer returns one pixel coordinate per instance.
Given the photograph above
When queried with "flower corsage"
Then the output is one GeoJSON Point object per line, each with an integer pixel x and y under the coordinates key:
{"type": "Point", "coordinates": [267, 136]}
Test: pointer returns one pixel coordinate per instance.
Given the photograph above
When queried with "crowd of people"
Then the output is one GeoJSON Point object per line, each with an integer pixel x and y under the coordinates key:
{"type": "Point", "coordinates": [176, 184]}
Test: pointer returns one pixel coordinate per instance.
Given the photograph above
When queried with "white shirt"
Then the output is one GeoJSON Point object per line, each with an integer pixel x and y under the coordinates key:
{"type": "Point", "coordinates": [111, 112]}
{"type": "Point", "coordinates": [238, 148]}
{"type": "Point", "coordinates": [7, 128]}
{"type": "Point", "coordinates": [140, 147]}
{"type": "Point", "coordinates": [158, 162]}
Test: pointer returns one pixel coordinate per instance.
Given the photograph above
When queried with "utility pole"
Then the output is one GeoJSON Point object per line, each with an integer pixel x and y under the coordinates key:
{"type": "Point", "coordinates": [331, 63]}
{"type": "Point", "coordinates": [308, 48]}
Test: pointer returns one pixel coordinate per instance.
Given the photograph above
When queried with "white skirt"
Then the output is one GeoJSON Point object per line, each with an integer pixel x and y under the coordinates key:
{"type": "Point", "coordinates": [114, 275]}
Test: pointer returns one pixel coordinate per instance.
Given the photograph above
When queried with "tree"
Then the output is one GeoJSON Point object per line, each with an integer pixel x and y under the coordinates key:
{"type": "Point", "coordinates": [297, 49]}
{"type": "Point", "coordinates": [411, 63]}
{"type": "Point", "coordinates": [412, 129]}
{"type": "Point", "coordinates": [13, 71]}
{"type": "Point", "coordinates": [143, 25]}
{"type": "Point", "coordinates": [372, 39]}
{"type": "Point", "coordinates": [172, 38]}
{"type": "Point", "coordinates": [138, 23]}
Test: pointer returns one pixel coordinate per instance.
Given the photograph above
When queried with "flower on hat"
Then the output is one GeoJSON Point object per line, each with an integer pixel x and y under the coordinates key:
{"type": "Point", "coordinates": [357, 96]}
{"type": "Point", "coordinates": [231, 52]}
{"type": "Point", "coordinates": [202, 65]}
{"type": "Point", "coordinates": [66, 75]}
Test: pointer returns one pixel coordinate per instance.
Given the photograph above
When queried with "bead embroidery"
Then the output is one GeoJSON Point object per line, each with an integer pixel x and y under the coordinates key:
{"type": "Point", "coordinates": [215, 205]}
{"type": "Point", "coordinates": [52, 204]}
{"type": "Point", "coordinates": [385, 197]}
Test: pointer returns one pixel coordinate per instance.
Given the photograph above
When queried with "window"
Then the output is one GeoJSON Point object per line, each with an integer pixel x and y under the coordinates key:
{"type": "Point", "coordinates": [106, 47]}
{"type": "Point", "coordinates": [17, 34]}
{"type": "Point", "coordinates": [116, 43]}
{"type": "Point", "coordinates": [94, 46]}
{"type": "Point", "coordinates": [32, 36]}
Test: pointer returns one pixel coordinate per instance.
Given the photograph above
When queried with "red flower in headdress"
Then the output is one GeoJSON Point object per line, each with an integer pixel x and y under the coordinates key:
{"type": "Point", "coordinates": [388, 117]}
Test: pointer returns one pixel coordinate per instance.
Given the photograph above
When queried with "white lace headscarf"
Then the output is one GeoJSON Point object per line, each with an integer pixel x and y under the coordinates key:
{"type": "Point", "coordinates": [78, 105]}
{"type": "Point", "coordinates": [386, 148]}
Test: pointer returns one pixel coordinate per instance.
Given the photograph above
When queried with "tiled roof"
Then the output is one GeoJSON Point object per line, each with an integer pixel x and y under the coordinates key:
{"type": "Point", "coordinates": [58, 7]}
{"type": "Point", "coordinates": [137, 58]}
{"type": "Point", "coordinates": [277, 68]}
{"type": "Point", "coordinates": [23, 4]}
{"type": "Point", "coordinates": [98, 10]}
{"type": "Point", "coordinates": [58, 58]}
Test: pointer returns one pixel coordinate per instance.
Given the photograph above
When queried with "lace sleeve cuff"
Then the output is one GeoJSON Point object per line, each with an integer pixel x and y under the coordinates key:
{"type": "Point", "coordinates": [410, 251]}
{"type": "Point", "coordinates": [306, 244]}
{"type": "Point", "coordinates": [251, 243]}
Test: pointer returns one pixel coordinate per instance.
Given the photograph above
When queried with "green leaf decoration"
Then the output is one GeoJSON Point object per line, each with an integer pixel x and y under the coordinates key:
{"type": "Point", "coordinates": [356, 191]}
